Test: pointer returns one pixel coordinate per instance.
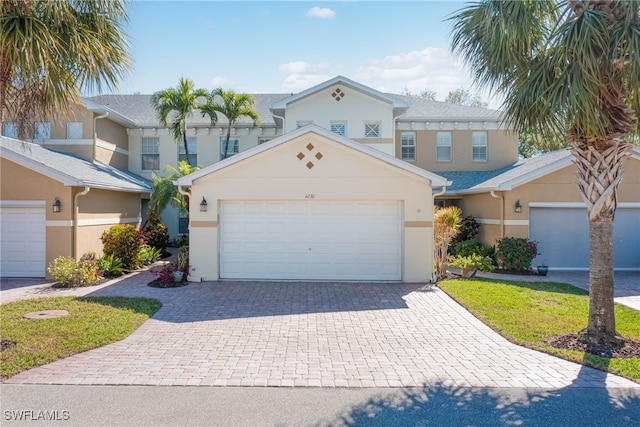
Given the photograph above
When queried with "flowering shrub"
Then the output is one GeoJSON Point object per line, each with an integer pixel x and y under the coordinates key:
{"type": "Point", "coordinates": [70, 273]}
{"type": "Point", "coordinates": [165, 274]}
{"type": "Point", "coordinates": [515, 253]}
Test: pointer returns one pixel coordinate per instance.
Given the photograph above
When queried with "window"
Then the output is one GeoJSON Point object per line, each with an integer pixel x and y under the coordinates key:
{"type": "Point", "coordinates": [263, 140]}
{"type": "Point", "coordinates": [10, 130]}
{"type": "Point", "coordinates": [408, 146]}
{"type": "Point", "coordinates": [183, 224]}
{"type": "Point", "coordinates": [339, 127]}
{"type": "Point", "coordinates": [372, 130]}
{"type": "Point", "coordinates": [192, 145]}
{"type": "Point", "coordinates": [479, 143]}
{"type": "Point", "coordinates": [42, 130]}
{"type": "Point", "coordinates": [74, 130]}
{"type": "Point", "coordinates": [151, 154]}
{"type": "Point", "coordinates": [232, 148]}
{"type": "Point", "coordinates": [443, 147]}
{"type": "Point", "coordinates": [302, 123]}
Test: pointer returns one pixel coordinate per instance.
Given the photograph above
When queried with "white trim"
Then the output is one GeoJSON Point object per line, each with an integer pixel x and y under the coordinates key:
{"type": "Point", "coordinates": [108, 221]}
{"type": "Point", "coordinates": [59, 223]}
{"type": "Point", "coordinates": [516, 222]}
{"type": "Point", "coordinates": [72, 141]}
{"type": "Point", "coordinates": [111, 147]}
{"type": "Point", "coordinates": [578, 205]}
{"type": "Point", "coordinates": [22, 203]}
{"type": "Point", "coordinates": [488, 221]}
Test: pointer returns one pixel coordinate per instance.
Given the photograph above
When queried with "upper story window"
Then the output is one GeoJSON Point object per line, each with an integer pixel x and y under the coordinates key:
{"type": "Point", "coordinates": [443, 147]}
{"type": "Point", "coordinates": [479, 144]}
{"type": "Point", "coordinates": [10, 129]}
{"type": "Point", "coordinates": [339, 127]}
{"type": "Point", "coordinates": [150, 149]}
{"type": "Point", "coordinates": [408, 146]}
{"type": "Point", "coordinates": [74, 130]}
{"type": "Point", "coordinates": [372, 129]}
{"type": "Point", "coordinates": [232, 148]}
{"type": "Point", "coordinates": [42, 130]}
{"type": "Point", "coordinates": [302, 123]}
{"type": "Point", "coordinates": [262, 140]}
{"type": "Point", "coordinates": [192, 145]}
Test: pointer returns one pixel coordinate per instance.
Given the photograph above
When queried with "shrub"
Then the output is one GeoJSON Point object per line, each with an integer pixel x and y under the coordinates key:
{"type": "Point", "coordinates": [165, 274]}
{"type": "Point", "coordinates": [149, 255]}
{"type": "Point", "coordinates": [515, 253]}
{"type": "Point", "coordinates": [71, 273]}
{"type": "Point", "coordinates": [123, 242]}
{"type": "Point", "coordinates": [156, 233]}
{"type": "Point", "coordinates": [468, 230]}
{"type": "Point", "coordinates": [111, 266]}
{"type": "Point", "coordinates": [473, 262]}
{"type": "Point", "coordinates": [470, 247]}
{"type": "Point", "coordinates": [183, 259]}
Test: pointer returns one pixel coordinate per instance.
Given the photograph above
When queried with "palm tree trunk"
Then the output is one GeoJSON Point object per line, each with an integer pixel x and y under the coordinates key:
{"type": "Point", "coordinates": [186, 146]}
{"type": "Point", "coordinates": [226, 143]}
{"type": "Point", "coordinates": [599, 175]}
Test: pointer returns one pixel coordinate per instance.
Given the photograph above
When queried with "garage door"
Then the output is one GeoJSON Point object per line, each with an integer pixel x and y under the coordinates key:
{"type": "Point", "coordinates": [22, 240]}
{"type": "Point", "coordinates": [311, 240]}
{"type": "Point", "coordinates": [563, 237]}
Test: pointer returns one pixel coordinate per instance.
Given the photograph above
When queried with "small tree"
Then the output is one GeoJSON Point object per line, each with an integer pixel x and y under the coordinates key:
{"type": "Point", "coordinates": [123, 241]}
{"type": "Point", "coordinates": [446, 224]}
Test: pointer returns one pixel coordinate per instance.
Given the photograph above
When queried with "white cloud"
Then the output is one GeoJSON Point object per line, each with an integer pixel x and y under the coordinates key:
{"type": "Point", "coordinates": [219, 81]}
{"type": "Point", "coordinates": [321, 12]}
{"type": "Point", "coordinates": [298, 82]}
{"type": "Point", "coordinates": [302, 75]}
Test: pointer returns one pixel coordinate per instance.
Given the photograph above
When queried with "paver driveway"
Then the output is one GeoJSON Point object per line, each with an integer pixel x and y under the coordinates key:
{"type": "Point", "coordinates": [311, 334]}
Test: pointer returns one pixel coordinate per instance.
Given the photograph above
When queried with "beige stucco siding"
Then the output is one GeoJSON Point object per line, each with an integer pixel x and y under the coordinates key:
{"type": "Point", "coordinates": [502, 150]}
{"type": "Point", "coordinates": [77, 113]}
{"type": "Point", "coordinates": [341, 174]}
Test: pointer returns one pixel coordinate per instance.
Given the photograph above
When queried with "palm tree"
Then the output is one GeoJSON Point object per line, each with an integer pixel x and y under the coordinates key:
{"type": "Point", "coordinates": [446, 226]}
{"type": "Point", "coordinates": [50, 51]}
{"type": "Point", "coordinates": [233, 105]}
{"type": "Point", "coordinates": [175, 105]}
{"type": "Point", "coordinates": [164, 192]}
{"type": "Point", "coordinates": [571, 67]}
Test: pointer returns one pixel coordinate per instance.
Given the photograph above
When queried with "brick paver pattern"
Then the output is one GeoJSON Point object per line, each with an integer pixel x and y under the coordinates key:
{"type": "Point", "coordinates": [298, 334]}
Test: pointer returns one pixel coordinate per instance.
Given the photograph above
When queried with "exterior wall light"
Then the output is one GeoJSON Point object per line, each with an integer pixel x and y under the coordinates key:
{"type": "Point", "coordinates": [56, 205]}
{"type": "Point", "coordinates": [203, 205]}
{"type": "Point", "coordinates": [518, 206]}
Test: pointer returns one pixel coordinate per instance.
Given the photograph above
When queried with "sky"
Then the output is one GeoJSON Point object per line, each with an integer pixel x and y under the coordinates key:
{"type": "Point", "coordinates": [289, 46]}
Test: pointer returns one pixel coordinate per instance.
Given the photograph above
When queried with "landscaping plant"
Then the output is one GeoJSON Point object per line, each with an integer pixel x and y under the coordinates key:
{"type": "Point", "coordinates": [123, 241]}
{"type": "Point", "coordinates": [111, 266]}
{"type": "Point", "coordinates": [156, 233]}
{"type": "Point", "coordinates": [515, 253]}
{"type": "Point", "coordinates": [446, 222]}
{"type": "Point", "coordinates": [472, 263]}
{"type": "Point", "coordinates": [70, 273]}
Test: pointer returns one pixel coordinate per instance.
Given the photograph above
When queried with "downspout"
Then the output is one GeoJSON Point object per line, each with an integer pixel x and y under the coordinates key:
{"type": "Point", "coordinates": [395, 128]}
{"type": "Point", "coordinates": [75, 219]}
{"type": "Point", "coordinates": [493, 194]}
{"type": "Point", "coordinates": [95, 135]}
{"type": "Point", "coordinates": [281, 118]}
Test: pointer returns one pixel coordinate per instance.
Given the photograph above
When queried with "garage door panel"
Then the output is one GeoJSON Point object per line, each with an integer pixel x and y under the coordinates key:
{"type": "Point", "coordinates": [311, 240]}
{"type": "Point", "coordinates": [22, 241]}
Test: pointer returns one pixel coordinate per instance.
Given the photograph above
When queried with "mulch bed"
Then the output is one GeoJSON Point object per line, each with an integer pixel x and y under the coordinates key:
{"type": "Point", "coordinates": [630, 348]}
{"type": "Point", "coordinates": [100, 281]}
{"type": "Point", "coordinates": [158, 284]}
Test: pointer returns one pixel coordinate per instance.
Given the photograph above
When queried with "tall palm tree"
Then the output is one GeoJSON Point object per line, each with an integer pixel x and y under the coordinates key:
{"type": "Point", "coordinates": [52, 50]}
{"type": "Point", "coordinates": [233, 105]}
{"type": "Point", "coordinates": [174, 106]}
{"type": "Point", "coordinates": [571, 67]}
{"type": "Point", "coordinates": [164, 192]}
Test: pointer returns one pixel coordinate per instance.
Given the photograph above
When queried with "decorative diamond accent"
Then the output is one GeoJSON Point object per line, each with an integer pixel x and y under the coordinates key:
{"type": "Point", "coordinates": [309, 165]}
{"type": "Point", "coordinates": [300, 156]}
{"type": "Point", "coordinates": [319, 155]}
{"type": "Point", "coordinates": [310, 146]}
{"type": "Point", "coordinates": [337, 94]}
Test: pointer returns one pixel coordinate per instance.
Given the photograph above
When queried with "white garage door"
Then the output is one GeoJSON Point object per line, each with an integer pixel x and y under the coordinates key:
{"type": "Point", "coordinates": [563, 237]}
{"type": "Point", "coordinates": [22, 240]}
{"type": "Point", "coordinates": [311, 240]}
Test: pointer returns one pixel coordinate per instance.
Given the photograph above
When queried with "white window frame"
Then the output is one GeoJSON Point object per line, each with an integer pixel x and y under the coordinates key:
{"type": "Point", "coordinates": [372, 129]}
{"type": "Point", "coordinates": [479, 144]}
{"type": "Point", "coordinates": [42, 130]}
{"type": "Point", "coordinates": [303, 123]}
{"type": "Point", "coordinates": [10, 130]}
{"type": "Point", "coordinates": [338, 127]}
{"type": "Point", "coordinates": [192, 144]}
{"type": "Point", "coordinates": [232, 148]}
{"type": "Point", "coordinates": [443, 146]}
{"type": "Point", "coordinates": [150, 147]}
{"type": "Point", "coordinates": [74, 130]}
{"type": "Point", "coordinates": [408, 146]}
{"type": "Point", "coordinates": [264, 139]}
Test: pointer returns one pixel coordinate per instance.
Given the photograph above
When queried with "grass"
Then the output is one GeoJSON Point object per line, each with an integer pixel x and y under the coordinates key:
{"type": "Point", "coordinates": [527, 313]}
{"type": "Point", "coordinates": [92, 322]}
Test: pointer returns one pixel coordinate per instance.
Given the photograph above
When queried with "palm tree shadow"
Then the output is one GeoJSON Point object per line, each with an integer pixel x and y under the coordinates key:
{"type": "Point", "coordinates": [586, 402]}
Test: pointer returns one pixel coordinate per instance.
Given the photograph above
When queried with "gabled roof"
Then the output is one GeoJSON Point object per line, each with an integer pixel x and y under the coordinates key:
{"type": "Point", "coordinates": [436, 180]}
{"type": "Point", "coordinates": [71, 170]}
{"type": "Point", "coordinates": [512, 176]}
{"type": "Point", "coordinates": [421, 109]}
{"type": "Point", "coordinates": [389, 99]}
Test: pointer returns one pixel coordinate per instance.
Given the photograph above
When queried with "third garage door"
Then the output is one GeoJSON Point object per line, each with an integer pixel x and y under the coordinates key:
{"type": "Point", "coordinates": [311, 240]}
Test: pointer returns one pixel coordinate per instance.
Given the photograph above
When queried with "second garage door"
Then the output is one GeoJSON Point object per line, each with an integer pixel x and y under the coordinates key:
{"type": "Point", "coordinates": [22, 240]}
{"type": "Point", "coordinates": [311, 240]}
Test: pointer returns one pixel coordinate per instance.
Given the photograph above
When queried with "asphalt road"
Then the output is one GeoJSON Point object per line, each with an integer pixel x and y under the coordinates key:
{"type": "Point", "coordinates": [88, 406]}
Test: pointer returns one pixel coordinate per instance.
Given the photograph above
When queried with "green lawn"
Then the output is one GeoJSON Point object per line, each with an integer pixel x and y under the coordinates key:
{"type": "Point", "coordinates": [527, 313]}
{"type": "Point", "coordinates": [92, 322]}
